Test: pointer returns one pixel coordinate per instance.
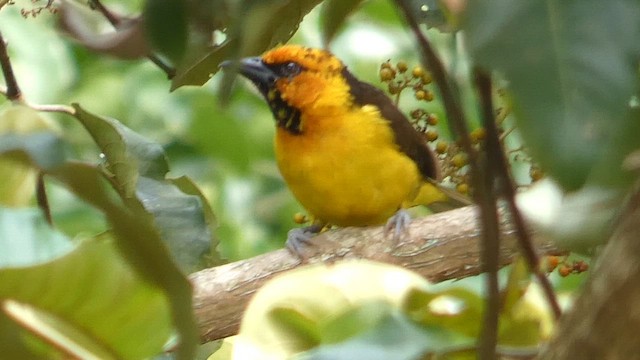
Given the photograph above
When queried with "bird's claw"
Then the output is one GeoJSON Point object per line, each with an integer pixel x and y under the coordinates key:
{"type": "Point", "coordinates": [398, 224]}
{"type": "Point", "coordinates": [298, 238]}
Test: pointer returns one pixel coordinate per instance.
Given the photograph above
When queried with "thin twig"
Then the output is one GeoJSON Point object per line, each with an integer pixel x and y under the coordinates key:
{"type": "Point", "coordinates": [484, 194]}
{"type": "Point", "coordinates": [492, 240]}
{"type": "Point", "coordinates": [58, 108]}
{"type": "Point", "coordinates": [65, 109]}
{"type": "Point", "coordinates": [13, 90]}
{"type": "Point", "coordinates": [507, 188]}
{"type": "Point", "coordinates": [115, 20]}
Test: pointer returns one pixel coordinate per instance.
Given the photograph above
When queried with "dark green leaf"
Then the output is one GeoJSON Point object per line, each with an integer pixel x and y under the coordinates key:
{"type": "Point", "coordinates": [572, 69]}
{"type": "Point", "coordinates": [181, 220]}
{"type": "Point", "coordinates": [200, 70]}
{"type": "Point", "coordinates": [265, 24]}
{"type": "Point", "coordinates": [140, 244]}
{"type": "Point", "coordinates": [332, 16]}
{"type": "Point", "coordinates": [167, 27]}
{"type": "Point", "coordinates": [139, 167]}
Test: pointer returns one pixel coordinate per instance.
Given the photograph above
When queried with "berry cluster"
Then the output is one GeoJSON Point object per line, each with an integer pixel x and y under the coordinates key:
{"type": "Point", "coordinates": [565, 268]}
{"type": "Point", "coordinates": [452, 158]}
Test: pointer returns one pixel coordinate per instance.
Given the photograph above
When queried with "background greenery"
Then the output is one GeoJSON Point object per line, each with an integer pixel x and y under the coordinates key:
{"type": "Point", "coordinates": [138, 164]}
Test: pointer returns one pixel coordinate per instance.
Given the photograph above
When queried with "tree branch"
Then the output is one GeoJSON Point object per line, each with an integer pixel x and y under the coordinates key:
{"type": "Point", "coordinates": [440, 247]}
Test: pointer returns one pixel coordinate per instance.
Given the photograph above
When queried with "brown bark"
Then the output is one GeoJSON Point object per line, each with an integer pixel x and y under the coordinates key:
{"type": "Point", "coordinates": [440, 247]}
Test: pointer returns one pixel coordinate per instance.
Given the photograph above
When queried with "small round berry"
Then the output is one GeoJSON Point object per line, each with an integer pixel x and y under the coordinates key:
{"type": "Point", "coordinates": [421, 94]}
{"type": "Point", "coordinates": [299, 218]}
{"type": "Point", "coordinates": [386, 74]}
{"type": "Point", "coordinates": [441, 147]}
{"type": "Point", "coordinates": [416, 114]}
{"type": "Point", "coordinates": [426, 78]}
{"type": "Point", "coordinates": [583, 266]}
{"type": "Point", "coordinates": [462, 188]}
{"type": "Point", "coordinates": [432, 119]}
{"type": "Point", "coordinates": [459, 160]}
{"type": "Point", "coordinates": [402, 66]}
{"type": "Point", "coordinates": [564, 270]}
{"type": "Point", "coordinates": [417, 72]}
{"type": "Point", "coordinates": [431, 135]}
{"type": "Point", "coordinates": [478, 135]}
{"type": "Point", "coordinates": [552, 263]}
{"type": "Point", "coordinates": [393, 88]}
{"type": "Point", "coordinates": [535, 173]}
{"type": "Point", "coordinates": [428, 95]}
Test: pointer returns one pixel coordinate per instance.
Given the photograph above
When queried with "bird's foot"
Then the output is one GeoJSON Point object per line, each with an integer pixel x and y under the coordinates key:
{"type": "Point", "coordinates": [398, 224]}
{"type": "Point", "coordinates": [299, 238]}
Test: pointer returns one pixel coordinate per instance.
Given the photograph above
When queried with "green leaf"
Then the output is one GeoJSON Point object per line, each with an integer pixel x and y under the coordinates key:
{"type": "Point", "coordinates": [128, 154]}
{"type": "Point", "coordinates": [44, 148]}
{"type": "Point", "coordinates": [395, 337]}
{"type": "Point", "coordinates": [353, 321]}
{"type": "Point", "coordinates": [26, 238]}
{"type": "Point", "coordinates": [139, 166]}
{"type": "Point", "coordinates": [454, 309]}
{"type": "Point", "coordinates": [301, 329]}
{"type": "Point", "coordinates": [17, 153]}
{"type": "Point", "coordinates": [569, 80]}
{"type": "Point", "coordinates": [265, 24]}
{"type": "Point", "coordinates": [91, 297]}
{"type": "Point", "coordinates": [201, 69]}
{"type": "Point", "coordinates": [333, 14]}
{"type": "Point", "coordinates": [166, 24]}
{"type": "Point", "coordinates": [181, 219]}
{"type": "Point", "coordinates": [140, 244]}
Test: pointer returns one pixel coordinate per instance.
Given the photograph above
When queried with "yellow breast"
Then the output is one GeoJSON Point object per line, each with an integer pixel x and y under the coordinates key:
{"type": "Point", "coordinates": [345, 167]}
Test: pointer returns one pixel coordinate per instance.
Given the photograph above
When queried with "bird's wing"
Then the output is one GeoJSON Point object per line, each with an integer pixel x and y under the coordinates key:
{"type": "Point", "coordinates": [408, 139]}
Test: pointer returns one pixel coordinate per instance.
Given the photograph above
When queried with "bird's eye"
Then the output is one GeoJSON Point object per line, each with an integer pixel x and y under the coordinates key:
{"type": "Point", "coordinates": [290, 69]}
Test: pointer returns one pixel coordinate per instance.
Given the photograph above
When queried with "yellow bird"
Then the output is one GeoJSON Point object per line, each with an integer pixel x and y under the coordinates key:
{"type": "Point", "coordinates": [349, 156]}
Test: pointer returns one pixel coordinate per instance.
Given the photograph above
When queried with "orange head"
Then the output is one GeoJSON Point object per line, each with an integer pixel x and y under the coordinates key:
{"type": "Point", "coordinates": [295, 79]}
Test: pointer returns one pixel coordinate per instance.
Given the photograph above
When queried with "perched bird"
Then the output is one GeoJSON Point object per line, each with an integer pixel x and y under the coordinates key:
{"type": "Point", "coordinates": [349, 156]}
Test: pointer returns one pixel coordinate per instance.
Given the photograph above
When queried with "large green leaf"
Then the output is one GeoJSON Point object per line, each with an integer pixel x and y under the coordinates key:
{"type": "Point", "coordinates": [259, 25]}
{"type": "Point", "coordinates": [166, 25]}
{"type": "Point", "coordinates": [394, 337]}
{"type": "Point", "coordinates": [139, 242]}
{"type": "Point", "coordinates": [86, 302]}
{"type": "Point", "coordinates": [572, 69]}
{"type": "Point", "coordinates": [139, 166]}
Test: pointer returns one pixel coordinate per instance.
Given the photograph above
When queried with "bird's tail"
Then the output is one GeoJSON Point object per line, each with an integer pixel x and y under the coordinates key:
{"type": "Point", "coordinates": [439, 198]}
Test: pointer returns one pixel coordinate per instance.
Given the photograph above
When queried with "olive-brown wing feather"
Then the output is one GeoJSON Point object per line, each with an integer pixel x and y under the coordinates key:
{"type": "Point", "coordinates": [408, 139]}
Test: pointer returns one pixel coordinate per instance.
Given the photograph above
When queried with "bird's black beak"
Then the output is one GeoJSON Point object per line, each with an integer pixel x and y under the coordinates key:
{"type": "Point", "coordinates": [254, 69]}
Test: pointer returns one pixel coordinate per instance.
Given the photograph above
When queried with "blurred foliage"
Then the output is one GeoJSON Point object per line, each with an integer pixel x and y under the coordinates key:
{"type": "Point", "coordinates": [152, 178]}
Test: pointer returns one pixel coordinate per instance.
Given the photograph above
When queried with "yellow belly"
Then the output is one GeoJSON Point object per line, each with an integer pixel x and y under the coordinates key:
{"type": "Point", "coordinates": [347, 172]}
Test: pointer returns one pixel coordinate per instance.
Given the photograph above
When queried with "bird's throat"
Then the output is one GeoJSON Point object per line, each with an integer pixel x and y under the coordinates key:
{"type": "Point", "coordinates": [286, 116]}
